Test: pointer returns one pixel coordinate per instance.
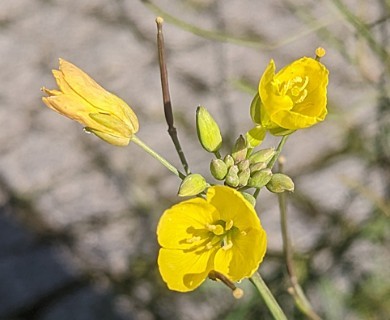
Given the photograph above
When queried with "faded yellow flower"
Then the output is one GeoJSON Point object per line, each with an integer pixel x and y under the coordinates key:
{"type": "Point", "coordinates": [292, 99]}
{"type": "Point", "coordinates": [80, 98]}
{"type": "Point", "coordinates": [221, 233]}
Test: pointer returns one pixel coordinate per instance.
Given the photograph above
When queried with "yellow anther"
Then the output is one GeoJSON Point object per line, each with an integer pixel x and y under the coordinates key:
{"type": "Point", "coordinates": [193, 239]}
{"type": "Point", "coordinates": [227, 245]}
{"type": "Point", "coordinates": [320, 52]}
{"type": "Point", "coordinates": [229, 225]}
{"type": "Point", "coordinates": [209, 245]}
{"type": "Point", "coordinates": [302, 97]}
{"type": "Point", "coordinates": [295, 91]}
{"type": "Point", "coordinates": [238, 293]}
{"type": "Point", "coordinates": [211, 227]}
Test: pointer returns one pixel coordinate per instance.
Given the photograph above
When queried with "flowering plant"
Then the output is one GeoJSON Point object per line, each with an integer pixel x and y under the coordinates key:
{"type": "Point", "coordinates": [217, 233]}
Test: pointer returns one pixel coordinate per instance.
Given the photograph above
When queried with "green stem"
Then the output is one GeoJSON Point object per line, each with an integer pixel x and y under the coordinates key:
{"type": "Point", "coordinates": [278, 151]}
{"type": "Point", "coordinates": [155, 155]}
{"type": "Point", "coordinates": [267, 296]}
{"type": "Point", "coordinates": [297, 292]}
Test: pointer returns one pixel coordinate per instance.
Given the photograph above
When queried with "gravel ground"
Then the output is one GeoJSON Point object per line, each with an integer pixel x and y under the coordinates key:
{"type": "Point", "coordinates": [76, 214]}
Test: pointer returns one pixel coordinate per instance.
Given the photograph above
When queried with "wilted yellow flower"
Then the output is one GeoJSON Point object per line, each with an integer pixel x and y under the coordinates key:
{"type": "Point", "coordinates": [294, 98]}
{"type": "Point", "coordinates": [221, 233]}
{"type": "Point", "coordinates": [80, 98]}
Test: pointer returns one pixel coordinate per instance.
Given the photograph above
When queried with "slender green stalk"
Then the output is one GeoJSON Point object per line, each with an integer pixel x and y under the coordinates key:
{"type": "Point", "coordinates": [278, 151]}
{"type": "Point", "coordinates": [297, 292]}
{"type": "Point", "coordinates": [267, 296]}
{"type": "Point", "coordinates": [155, 155]}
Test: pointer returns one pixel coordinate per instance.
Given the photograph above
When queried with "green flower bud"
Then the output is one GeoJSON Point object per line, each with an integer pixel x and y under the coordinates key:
{"type": "Point", "coordinates": [243, 165]}
{"type": "Point", "coordinates": [239, 150]}
{"type": "Point", "coordinates": [257, 166]}
{"type": "Point", "coordinates": [263, 155]}
{"type": "Point", "coordinates": [251, 199]}
{"type": "Point", "coordinates": [192, 185]}
{"type": "Point", "coordinates": [243, 177]}
{"type": "Point", "coordinates": [218, 169]}
{"type": "Point", "coordinates": [260, 178]}
{"type": "Point", "coordinates": [232, 179]}
{"type": "Point", "coordinates": [228, 160]}
{"type": "Point", "coordinates": [280, 183]}
{"type": "Point", "coordinates": [208, 131]}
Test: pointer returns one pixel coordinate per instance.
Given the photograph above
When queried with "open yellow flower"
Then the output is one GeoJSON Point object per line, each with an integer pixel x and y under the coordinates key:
{"type": "Point", "coordinates": [80, 98]}
{"type": "Point", "coordinates": [221, 233]}
{"type": "Point", "coordinates": [292, 99]}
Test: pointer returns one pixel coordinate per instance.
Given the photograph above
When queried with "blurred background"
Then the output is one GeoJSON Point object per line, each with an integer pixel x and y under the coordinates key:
{"type": "Point", "coordinates": [78, 216]}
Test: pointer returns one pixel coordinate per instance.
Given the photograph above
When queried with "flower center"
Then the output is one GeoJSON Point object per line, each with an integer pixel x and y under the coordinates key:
{"type": "Point", "coordinates": [295, 88]}
{"type": "Point", "coordinates": [220, 234]}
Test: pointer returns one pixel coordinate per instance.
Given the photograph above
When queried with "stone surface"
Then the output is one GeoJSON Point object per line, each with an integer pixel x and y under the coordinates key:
{"type": "Point", "coordinates": [101, 203]}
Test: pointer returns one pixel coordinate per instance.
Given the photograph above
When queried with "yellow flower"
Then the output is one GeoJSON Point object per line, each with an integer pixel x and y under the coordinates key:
{"type": "Point", "coordinates": [221, 233]}
{"type": "Point", "coordinates": [294, 98]}
{"type": "Point", "coordinates": [80, 98]}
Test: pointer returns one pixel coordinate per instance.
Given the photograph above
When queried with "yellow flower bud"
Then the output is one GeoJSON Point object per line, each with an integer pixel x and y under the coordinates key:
{"type": "Point", "coordinates": [192, 185]}
{"type": "Point", "coordinates": [81, 99]}
{"type": "Point", "coordinates": [280, 183]}
{"type": "Point", "coordinates": [208, 131]}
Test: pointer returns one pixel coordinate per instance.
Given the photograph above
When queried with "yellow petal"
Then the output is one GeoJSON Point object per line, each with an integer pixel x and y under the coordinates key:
{"type": "Point", "coordinates": [231, 205]}
{"type": "Point", "coordinates": [184, 221]}
{"type": "Point", "coordinates": [244, 258]}
{"type": "Point", "coordinates": [112, 124]}
{"type": "Point", "coordinates": [184, 271]}
{"type": "Point", "coordinates": [90, 90]}
{"type": "Point", "coordinates": [110, 138]}
{"type": "Point", "coordinates": [71, 107]}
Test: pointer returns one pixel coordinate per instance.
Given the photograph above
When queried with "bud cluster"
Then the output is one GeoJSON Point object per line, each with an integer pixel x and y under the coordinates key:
{"type": "Point", "coordinates": [242, 169]}
{"type": "Point", "coordinates": [239, 169]}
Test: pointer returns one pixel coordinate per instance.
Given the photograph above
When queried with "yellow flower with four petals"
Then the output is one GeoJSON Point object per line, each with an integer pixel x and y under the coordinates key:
{"type": "Point", "coordinates": [221, 233]}
{"type": "Point", "coordinates": [292, 99]}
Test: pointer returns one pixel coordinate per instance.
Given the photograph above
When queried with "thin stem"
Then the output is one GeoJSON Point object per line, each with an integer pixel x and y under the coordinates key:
{"type": "Point", "coordinates": [297, 292]}
{"type": "Point", "coordinates": [166, 96]}
{"type": "Point", "coordinates": [277, 151]}
{"type": "Point", "coordinates": [155, 155]}
{"type": "Point", "coordinates": [267, 296]}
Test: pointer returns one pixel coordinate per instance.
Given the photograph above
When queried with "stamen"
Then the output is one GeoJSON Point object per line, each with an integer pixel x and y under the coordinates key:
{"type": "Point", "coordinates": [302, 97]}
{"type": "Point", "coordinates": [215, 275]}
{"type": "Point", "coordinates": [295, 91]}
{"type": "Point", "coordinates": [193, 239]}
{"type": "Point", "coordinates": [238, 293]}
{"type": "Point", "coordinates": [216, 229]}
{"type": "Point", "coordinates": [229, 225]}
{"type": "Point", "coordinates": [213, 242]}
{"type": "Point", "coordinates": [320, 52]}
{"type": "Point", "coordinates": [227, 245]}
